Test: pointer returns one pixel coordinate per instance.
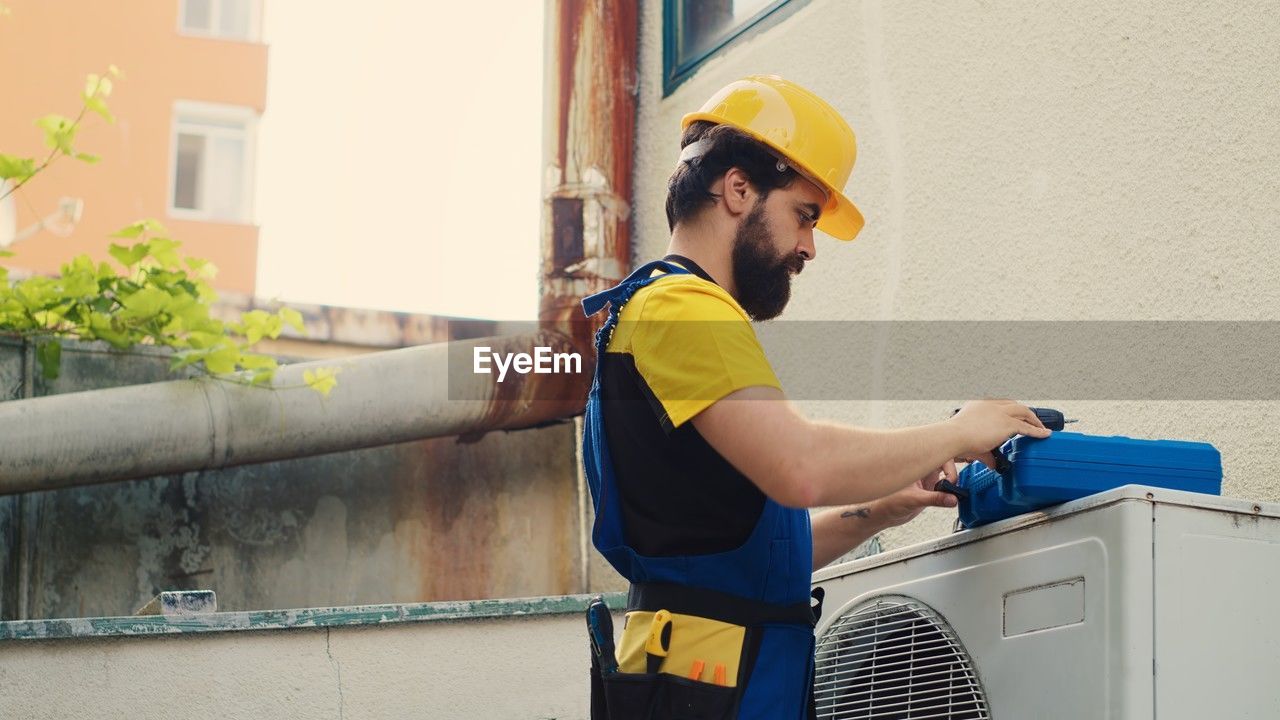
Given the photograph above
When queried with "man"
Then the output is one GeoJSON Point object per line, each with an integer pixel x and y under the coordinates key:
{"type": "Point", "coordinates": [700, 469]}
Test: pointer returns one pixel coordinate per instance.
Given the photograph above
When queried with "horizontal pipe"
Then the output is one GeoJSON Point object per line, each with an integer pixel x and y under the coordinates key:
{"type": "Point", "coordinates": [202, 424]}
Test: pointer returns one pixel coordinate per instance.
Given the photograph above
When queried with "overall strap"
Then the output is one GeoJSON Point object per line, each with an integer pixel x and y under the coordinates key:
{"type": "Point", "coordinates": [703, 602]}
{"type": "Point", "coordinates": [620, 293]}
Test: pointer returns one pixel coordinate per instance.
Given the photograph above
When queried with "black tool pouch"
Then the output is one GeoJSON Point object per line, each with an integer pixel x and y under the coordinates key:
{"type": "Point", "coordinates": [599, 706]}
{"type": "Point", "coordinates": [659, 696]}
{"type": "Point", "coordinates": [663, 696]}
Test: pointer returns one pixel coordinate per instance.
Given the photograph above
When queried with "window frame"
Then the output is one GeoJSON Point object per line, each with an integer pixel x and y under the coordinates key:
{"type": "Point", "coordinates": [215, 14]}
{"type": "Point", "coordinates": [674, 72]}
{"type": "Point", "coordinates": [188, 117]}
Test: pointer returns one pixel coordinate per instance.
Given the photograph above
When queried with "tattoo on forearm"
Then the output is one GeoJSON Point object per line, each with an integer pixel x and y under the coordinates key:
{"type": "Point", "coordinates": [860, 512]}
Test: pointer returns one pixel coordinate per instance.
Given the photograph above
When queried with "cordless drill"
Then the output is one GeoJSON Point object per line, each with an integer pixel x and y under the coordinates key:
{"type": "Point", "coordinates": [1050, 418]}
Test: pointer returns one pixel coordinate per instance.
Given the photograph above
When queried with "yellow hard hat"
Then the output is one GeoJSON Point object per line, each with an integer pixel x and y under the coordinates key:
{"type": "Point", "coordinates": [800, 126]}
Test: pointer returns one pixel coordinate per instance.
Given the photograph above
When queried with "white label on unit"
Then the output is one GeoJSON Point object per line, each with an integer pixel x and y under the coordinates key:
{"type": "Point", "coordinates": [1043, 607]}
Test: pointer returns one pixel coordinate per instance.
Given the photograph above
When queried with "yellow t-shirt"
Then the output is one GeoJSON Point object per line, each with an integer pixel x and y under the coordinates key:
{"type": "Point", "coordinates": [692, 344]}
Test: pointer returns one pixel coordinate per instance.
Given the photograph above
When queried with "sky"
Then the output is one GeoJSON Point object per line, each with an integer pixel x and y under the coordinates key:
{"type": "Point", "coordinates": [399, 156]}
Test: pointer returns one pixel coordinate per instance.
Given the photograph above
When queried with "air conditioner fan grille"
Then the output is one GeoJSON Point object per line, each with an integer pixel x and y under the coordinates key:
{"type": "Point", "coordinates": [894, 658]}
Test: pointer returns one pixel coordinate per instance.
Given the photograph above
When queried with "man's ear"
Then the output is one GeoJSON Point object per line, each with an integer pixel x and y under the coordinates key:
{"type": "Point", "coordinates": [738, 193]}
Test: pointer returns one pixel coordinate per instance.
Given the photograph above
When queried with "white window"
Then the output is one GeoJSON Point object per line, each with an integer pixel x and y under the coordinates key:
{"type": "Point", "coordinates": [228, 19]}
{"type": "Point", "coordinates": [212, 168]}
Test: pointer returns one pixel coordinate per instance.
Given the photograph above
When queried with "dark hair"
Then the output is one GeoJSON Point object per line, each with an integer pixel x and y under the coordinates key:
{"type": "Point", "coordinates": [688, 189]}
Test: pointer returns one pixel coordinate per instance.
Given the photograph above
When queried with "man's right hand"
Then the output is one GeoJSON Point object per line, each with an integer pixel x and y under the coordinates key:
{"type": "Point", "coordinates": [986, 424]}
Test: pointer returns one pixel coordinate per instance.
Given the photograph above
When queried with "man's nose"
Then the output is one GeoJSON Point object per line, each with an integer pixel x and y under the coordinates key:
{"type": "Point", "coordinates": [807, 249]}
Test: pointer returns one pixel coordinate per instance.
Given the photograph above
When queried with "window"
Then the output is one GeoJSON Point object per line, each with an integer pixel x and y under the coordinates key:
{"type": "Point", "coordinates": [695, 29]}
{"type": "Point", "coordinates": [213, 150]}
{"type": "Point", "coordinates": [228, 19]}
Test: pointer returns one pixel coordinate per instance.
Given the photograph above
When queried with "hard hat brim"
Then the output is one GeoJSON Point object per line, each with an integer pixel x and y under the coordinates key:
{"type": "Point", "coordinates": [841, 220]}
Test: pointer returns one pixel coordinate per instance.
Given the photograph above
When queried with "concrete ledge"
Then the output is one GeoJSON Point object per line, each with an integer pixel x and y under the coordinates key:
{"type": "Point", "coordinates": [300, 618]}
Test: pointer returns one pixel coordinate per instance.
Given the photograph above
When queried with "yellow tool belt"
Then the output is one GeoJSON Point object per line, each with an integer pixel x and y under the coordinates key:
{"type": "Point", "coordinates": [701, 649]}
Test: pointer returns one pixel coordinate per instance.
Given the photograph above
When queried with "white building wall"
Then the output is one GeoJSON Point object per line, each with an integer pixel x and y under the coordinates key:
{"type": "Point", "coordinates": [1029, 160]}
{"type": "Point", "coordinates": [519, 668]}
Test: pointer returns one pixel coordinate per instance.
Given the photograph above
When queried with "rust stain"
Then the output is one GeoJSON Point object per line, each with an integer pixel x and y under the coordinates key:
{"type": "Point", "coordinates": [531, 400]}
{"type": "Point", "coordinates": [619, 68]}
{"type": "Point", "coordinates": [469, 524]}
{"type": "Point", "coordinates": [449, 544]}
{"type": "Point", "coordinates": [569, 17]}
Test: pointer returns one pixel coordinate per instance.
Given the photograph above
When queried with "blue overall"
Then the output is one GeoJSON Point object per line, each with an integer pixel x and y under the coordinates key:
{"type": "Point", "coordinates": [773, 566]}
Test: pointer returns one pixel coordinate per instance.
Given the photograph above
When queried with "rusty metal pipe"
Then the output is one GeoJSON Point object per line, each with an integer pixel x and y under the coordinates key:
{"type": "Point", "coordinates": [382, 398]}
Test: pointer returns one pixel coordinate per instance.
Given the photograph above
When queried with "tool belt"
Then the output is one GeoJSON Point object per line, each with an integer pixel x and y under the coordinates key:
{"type": "Point", "coordinates": [688, 653]}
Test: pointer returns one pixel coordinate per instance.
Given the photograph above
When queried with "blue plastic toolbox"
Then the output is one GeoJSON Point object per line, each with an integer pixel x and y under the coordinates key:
{"type": "Point", "coordinates": [982, 503]}
{"type": "Point", "coordinates": [1066, 466]}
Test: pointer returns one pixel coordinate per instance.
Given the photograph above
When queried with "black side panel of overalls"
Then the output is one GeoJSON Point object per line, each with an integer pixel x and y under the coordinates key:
{"type": "Point", "coordinates": [599, 708]}
{"type": "Point", "coordinates": [754, 636]}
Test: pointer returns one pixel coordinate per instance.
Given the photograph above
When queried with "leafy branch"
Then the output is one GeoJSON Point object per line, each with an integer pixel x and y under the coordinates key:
{"type": "Point", "coordinates": [60, 133]}
{"type": "Point", "coordinates": [159, 298]}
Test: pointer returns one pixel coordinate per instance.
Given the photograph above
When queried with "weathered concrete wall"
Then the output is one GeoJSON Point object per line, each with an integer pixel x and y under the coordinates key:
{"type": "Point", "coordinates": [527, 667]}
{"type": "Point", "coordinates": [1029, 160]}
{"type": "Point", "coordinates": [415, 522]}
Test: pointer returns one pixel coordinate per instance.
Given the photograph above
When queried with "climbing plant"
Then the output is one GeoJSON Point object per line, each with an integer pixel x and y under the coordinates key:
{"type": "Point", "coordinates": [152, 295]}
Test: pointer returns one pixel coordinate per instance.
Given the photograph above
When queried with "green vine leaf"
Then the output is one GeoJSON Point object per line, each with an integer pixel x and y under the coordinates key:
{"type": "Point", "coordinates": [129, 256]}
{"type": "Point", "coordinates": [293, 319]}
{"type": "Point", "coordinates": [322, 380]}
{"type": "Point", "coordinates": [59, 132]}
{"type": "Point", "coordinates": [146, 303]}
{"type": "Point", "coordinates": [49, 355]}
{"type": "Point", "coordinates": [16, 168]}
{"type": "Point", "coordinates": [222, 360]}
{"type": "Point", "coordinates": [96, 85]}
{"type": "Point", "coordinates": [163, 250]}
{"type": "Point", "coordinates": [202, 268]}
{"type": "Point", "coordinates": [136, 229]}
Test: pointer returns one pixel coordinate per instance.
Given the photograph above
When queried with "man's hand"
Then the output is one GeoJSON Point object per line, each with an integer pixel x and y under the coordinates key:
{"type": "Point", "coordinates": [986, 424]}
{"type": "Point", "coordinates": [903, 506]}
{"type": "Point", "coordinates": [837, 531]}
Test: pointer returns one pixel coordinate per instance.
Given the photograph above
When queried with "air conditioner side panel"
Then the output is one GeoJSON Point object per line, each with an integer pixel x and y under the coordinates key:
{"type": "Point", "coordinates": [1057, 616]}
{"type": "Point", "coordinates": [1217, 637]}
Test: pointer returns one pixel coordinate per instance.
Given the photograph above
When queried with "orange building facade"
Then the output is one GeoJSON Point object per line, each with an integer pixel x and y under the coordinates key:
{"type": "Point", "coordinates": [182, 149]}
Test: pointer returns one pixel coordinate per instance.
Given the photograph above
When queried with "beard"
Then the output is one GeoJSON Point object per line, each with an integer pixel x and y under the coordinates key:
{"type": "Point", "coordinates": [761, 275]}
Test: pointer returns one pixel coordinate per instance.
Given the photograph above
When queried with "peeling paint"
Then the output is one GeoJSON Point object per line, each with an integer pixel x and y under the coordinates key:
{"type": "Point", "coordinates": [300, 618]}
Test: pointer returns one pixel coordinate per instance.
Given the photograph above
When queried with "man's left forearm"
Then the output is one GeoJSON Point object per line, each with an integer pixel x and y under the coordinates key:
{"type": "Point", "coordinates": [838, 530]}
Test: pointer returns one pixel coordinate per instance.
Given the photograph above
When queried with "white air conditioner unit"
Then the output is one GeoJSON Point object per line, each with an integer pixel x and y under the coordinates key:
{"type": "Point", "coordinates": [1133, 603]}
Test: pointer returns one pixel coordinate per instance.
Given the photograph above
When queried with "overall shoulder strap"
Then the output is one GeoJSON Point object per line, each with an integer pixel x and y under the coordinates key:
{"type": "Point", "coordinates": [619, 293]}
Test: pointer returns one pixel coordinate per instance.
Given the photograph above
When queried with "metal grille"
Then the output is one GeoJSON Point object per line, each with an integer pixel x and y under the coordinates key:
{"type": "Point", "coordinates": [895, 659]}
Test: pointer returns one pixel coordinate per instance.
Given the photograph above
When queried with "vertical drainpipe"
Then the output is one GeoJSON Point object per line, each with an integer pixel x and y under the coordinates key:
{"type": "Point", "coordinates": [589, 109]}
{"type": "Point", "coordinates": [589, 102]}
{"type": "Point", "coordinates": [588, 129]}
